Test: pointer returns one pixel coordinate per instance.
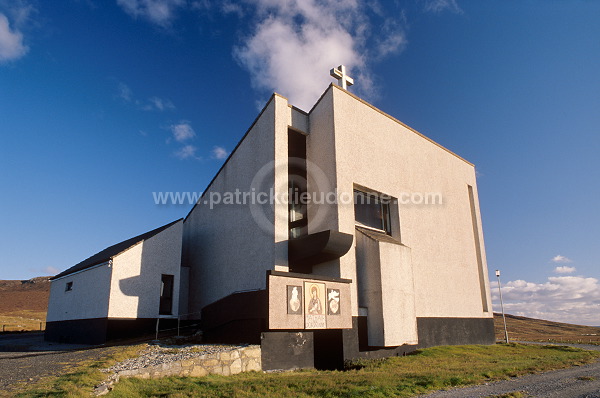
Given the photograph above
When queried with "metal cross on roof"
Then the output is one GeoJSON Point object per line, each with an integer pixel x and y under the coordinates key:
{"type": "Point", "coordinates": [343, 79]}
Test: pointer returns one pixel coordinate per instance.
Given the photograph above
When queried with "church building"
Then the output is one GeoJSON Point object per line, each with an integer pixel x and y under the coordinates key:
{"type": "Point", "coordinates": [329, 235]}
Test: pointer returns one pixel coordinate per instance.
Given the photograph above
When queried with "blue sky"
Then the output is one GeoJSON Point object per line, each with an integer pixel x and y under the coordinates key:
{"type": "Point", "coordinates": [104, 102]}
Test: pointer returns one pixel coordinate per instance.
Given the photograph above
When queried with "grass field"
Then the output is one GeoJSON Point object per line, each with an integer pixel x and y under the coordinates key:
{"type": "Point", "coordinates": [429, 369]}
{"type": "Point", "coordinates": [23, 320]}
{"type": "Point", "coordinates": [23, 304]}
{"type": "Point", "coordinates": [531, 329]}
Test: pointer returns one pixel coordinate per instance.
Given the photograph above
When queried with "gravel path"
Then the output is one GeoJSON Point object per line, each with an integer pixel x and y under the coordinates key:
{"type": "Point", "coordinates": [576, 382]}
{"type": "Point", "coordinates": [154, 355]}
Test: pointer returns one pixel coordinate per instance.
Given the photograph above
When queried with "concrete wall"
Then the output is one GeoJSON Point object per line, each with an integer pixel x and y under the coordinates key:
{"type": "Point", "coordinates": [88, 298]}
{"type": "Point", "coordinates": [136, 276]}
{"type": "Point", "coordinates": [371, 149]}
{"type": "Point", "coordinates": [230, 247]}
{"type": "Point", "coordinates": [386, 291]}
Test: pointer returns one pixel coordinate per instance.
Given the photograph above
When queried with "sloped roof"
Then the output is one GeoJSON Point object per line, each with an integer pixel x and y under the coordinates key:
{"type": "Point", "coordinates": [112, 251]}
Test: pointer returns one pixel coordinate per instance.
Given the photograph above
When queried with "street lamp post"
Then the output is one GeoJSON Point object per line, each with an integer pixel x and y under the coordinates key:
{"type": "Point", "coordinates": [502, 307]}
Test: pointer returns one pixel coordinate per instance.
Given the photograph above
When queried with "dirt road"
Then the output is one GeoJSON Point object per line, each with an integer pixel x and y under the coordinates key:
{"type": "Point", "coordinates": [27, 358]}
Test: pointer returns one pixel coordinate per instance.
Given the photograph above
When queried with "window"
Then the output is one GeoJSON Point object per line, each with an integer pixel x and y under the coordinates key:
{"type": "Point", "coordinates": [166, 295]}
{"type": "Point", "coordinates": [372, 211]}
{"type": "Point", "coordinates": [69, 286]}
{"type": "Point", "coordinates": [297, 185]}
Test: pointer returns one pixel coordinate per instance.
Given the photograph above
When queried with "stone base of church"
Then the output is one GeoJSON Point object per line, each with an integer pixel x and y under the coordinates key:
{"type": "Point", "coordinates": [101, 330]}
{"type": "Point", "coordinates": [77, 331]}
{"type": "Point", "coordinates": [455, 331]}
{"type": "Point", "coordinates": [287, 350]}
{"type": "Point", "coordinates": [431, 331]}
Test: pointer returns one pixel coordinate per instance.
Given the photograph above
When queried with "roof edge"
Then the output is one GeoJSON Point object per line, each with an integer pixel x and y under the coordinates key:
{"type": "Point", "coordinates": [233, 151]}
{"type": "Point", "coordinates": [134, 241]}
{"type": "Point", "coordinates": [397, 121]}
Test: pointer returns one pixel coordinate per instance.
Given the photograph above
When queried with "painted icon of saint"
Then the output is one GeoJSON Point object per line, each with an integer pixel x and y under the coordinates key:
{"type": "Point", "coordinates": [314, 306]}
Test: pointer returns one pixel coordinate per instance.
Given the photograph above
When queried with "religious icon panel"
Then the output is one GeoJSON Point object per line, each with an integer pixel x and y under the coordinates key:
{"type": "Point", "coordinates": [294, 299]}
{"type": "Point", "coordinates": [333, 301]}
{"type": "Point", "coordinates": [314, 308]}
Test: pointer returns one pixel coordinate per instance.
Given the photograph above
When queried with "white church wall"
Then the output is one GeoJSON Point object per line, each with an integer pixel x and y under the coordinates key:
{"type": "Point", "coordinates": [323, 179]}
{"type": "Point", "coordinates": [321, 167]}
{"type": "Point", "coordinates": [229, 247]}
{"type": "Point", "coordinates": [386, 291]}
{"type": "Point", "coordinates": [398, 298]}
{"type": "Point", "coordinates": [136, 277]}
{"type": "Point", "coordinates": [375, 151]}
{"type": "Point", "coordinates": [88, 297]}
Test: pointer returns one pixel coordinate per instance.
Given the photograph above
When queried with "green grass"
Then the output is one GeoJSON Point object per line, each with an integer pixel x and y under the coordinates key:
{"type": "Point", "coordinates": [429, 369]}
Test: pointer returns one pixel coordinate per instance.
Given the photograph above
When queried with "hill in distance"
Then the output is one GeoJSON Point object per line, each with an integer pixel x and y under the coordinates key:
{"type": "Point", "coordinates": [530, 329]}
{"type": "Point", "coordinates": [23, 305]}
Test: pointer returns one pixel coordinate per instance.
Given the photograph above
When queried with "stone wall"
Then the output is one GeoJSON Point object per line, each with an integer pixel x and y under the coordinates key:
{"type": "Point", "coordinates": [224, 363]}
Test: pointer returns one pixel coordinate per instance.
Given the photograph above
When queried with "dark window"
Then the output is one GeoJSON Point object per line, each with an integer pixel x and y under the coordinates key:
{"type": "Point", "coordinates": [166, 295]}
{"type": "Point", "coordinates": [372, 211]}
{"type": "Point", "coordinates": [297, 184]}
{"type": "Point", "coordinates": [69, 286]}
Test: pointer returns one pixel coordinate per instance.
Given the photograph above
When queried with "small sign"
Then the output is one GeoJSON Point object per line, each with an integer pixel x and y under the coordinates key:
{"type": "Point", "coordinates": [294, 300]}
{"type": "Point", "coordinates": [315, 322]}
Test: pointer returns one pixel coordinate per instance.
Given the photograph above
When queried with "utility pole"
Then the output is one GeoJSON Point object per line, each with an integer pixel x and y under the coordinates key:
{"type": "Point", "coordinates": [502, 307]}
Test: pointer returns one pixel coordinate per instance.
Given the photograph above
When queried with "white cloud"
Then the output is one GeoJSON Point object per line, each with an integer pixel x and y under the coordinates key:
{"type": "Point", "coordinates": [201, 5]}
{"type": "Point", "coordinates": [294, 44]}
{"type": "Point", "coordinates": [219, 152]}
{"type": "Point", "coordinates": [564, 270]}
{"type": "Point", "coordinates": [182, 131]}
{"type": "Point", "coordinates": [11, 42]}
{"type": "Point", "coordinates": [561, 259]}
{"type": "Point", "coordinates": [155, 103]}
{"type": "Point", "coordinates": [159, 12]}
{"type": "Point", "coordinates": [393, 38]}
{"type": "Point", "coordinates": [49, 270]}
{"type": "Point", "coordinates": [571, 299]}
{"type": "Point", "coordinates": [124, 92]}
{"type": "Point", "coordinates": [45, 271]}
{"type": "Point", "coordinates": [229, 7]}
{"type": "Point", "coordinates": [438, 6]}
{"type": "Point", "coordinates": [151, 104]}
{"type": "Point", "coordinates": [188, 151]}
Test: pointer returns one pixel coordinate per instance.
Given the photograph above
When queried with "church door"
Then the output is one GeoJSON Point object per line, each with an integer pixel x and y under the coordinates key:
{"type": "Point", "coordinates": [166, 295]}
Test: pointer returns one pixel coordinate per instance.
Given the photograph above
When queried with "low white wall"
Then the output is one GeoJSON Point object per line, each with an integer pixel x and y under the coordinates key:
{"type": "Point", "coordinates": [87, 299]}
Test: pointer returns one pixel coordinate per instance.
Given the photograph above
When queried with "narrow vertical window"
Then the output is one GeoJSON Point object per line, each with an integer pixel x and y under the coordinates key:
{"type": "Point", "coordinates": [297, 184]}
{"type": "Point", "coordinates": [166, 295]}
{"type": "Point", "coordinates": [478, 249]}
{"type": "Point", "coordinates": [69, 286]}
